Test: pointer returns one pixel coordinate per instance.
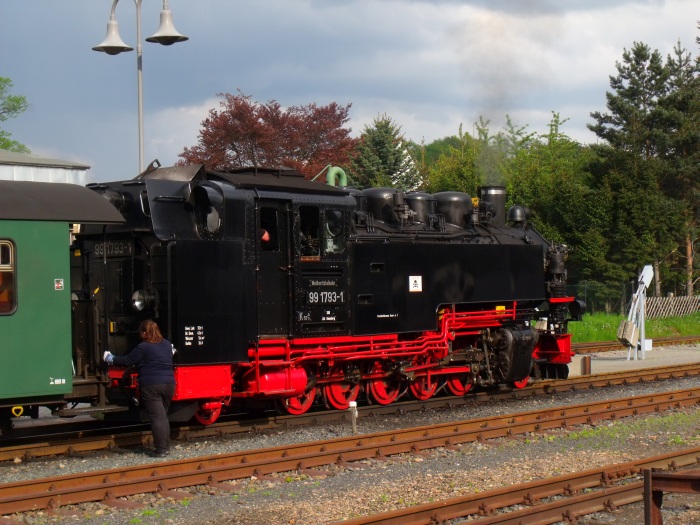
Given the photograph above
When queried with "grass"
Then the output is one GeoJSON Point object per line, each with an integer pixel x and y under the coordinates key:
{"type": "Point", "coordinates": [603, 327]}
{"type": "Point", "coordinates": [676, 429]}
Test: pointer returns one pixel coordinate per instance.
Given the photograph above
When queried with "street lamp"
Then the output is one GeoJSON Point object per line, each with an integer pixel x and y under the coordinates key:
{"type": "Point", "coordinates": [113, 45]}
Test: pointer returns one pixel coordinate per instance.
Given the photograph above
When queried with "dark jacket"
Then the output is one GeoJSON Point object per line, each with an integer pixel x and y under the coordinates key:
{"type": "Point", "coordinates": [153, 361]}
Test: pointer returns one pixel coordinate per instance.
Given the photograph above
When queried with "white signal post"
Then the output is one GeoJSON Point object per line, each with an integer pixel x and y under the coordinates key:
{"type": "Point", "coordinates": [632, 330]}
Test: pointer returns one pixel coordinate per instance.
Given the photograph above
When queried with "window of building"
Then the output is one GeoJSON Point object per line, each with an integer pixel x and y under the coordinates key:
{"type": "Point", "coordinates": [8, 292]}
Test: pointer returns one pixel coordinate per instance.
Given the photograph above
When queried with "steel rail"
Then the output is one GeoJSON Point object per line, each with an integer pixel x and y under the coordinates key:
{"type": "Point", "coordinates": [109, 484]}
{"type": "Point", "coordinates": [568, 504]}
{"type": "Point", "coordinates": [606, 346]}
{"type": "Point", "coordinates": [85, 442]}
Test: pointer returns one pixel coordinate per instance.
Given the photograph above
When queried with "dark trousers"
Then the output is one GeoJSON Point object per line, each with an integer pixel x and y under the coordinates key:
{"type": "Point", "coordinates": [155, 399]}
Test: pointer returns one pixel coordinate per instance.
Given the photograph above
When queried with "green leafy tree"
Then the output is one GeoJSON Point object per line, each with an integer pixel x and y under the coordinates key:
{"type": "Point", "coordinates": [429, 154]}
{"type": "Point", "coordinates": [11, 106]}
{"type": "Point", "coordinates": [456, 167]}
{"type": "Point", "coordinates": [383, 158]}
{"type": "Point", "coordinates": [549, 175]}
{"type": "Point", "coordinates": [471, 161]}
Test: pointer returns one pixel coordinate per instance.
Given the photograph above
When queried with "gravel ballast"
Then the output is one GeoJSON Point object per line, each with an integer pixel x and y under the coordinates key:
{"type": "Point", "coordinates": [374, 486]}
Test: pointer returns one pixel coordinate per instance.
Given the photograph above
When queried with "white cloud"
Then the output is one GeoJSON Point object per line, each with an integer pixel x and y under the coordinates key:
{"type": "Point", "coordinates": [175, 128]}
{"type": "Point", "coordinates": [429, 64]}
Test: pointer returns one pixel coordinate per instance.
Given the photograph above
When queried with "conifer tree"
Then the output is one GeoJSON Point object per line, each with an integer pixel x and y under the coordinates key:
{"type": "Point", "coordinates": [383, 158]}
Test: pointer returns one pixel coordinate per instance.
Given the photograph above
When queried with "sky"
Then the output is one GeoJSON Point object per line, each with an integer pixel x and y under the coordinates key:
{"type": "Point", "coordinates": [430, 65]}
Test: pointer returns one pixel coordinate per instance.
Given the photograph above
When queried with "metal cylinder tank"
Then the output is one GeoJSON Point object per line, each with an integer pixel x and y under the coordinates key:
{"type": "Point", "coordinates": [380, 203]}
{"type": "Point", "coordinates": [422, 204]}
{"type": "Point", "coordinates": [455, 206]}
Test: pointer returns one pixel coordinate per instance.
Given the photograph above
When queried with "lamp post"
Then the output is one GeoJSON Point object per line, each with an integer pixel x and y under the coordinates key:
{"type": "Point", "coordinates": [113, 45]}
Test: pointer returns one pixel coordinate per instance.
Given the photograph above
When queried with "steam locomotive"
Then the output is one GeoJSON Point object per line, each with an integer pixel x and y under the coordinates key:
{"type": "Point", "coordinates": [274, 288]}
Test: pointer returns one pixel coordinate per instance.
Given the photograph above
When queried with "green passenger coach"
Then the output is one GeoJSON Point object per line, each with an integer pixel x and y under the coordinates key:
{"type": "Point", "coordinates": [36, 362]}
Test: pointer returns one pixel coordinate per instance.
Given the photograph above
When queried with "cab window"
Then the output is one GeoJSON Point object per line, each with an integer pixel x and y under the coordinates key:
{"type": "Point", "coordinates": [333, 239]}
{"type": "Point", "coordinates": [8, 293]}
{"type": "Point", "coordinates": [309, 238]}
{"type": "Point", "coordinates": [269, 230]}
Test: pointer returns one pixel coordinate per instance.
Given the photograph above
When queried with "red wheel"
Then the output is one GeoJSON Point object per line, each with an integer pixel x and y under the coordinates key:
{"type": "Point", "coordinates": [296, 406]}
{"type": "Point", "coordinates": [340, 393]}
{"type": "Point", "coordinates": [384, 390]}
{"type": "Point", "coordinates": [206, 416]}
{"type": "Point", "coordinates": [459, 385]}
{"type": "Point", "coordinates": [522, 383]}
{"type": "Point", "coordinates": [423, 387]}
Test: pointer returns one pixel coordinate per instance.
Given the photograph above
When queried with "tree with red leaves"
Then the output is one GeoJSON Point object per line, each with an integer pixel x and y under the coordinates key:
{"type": "Point", "coordinates": [246, 133]}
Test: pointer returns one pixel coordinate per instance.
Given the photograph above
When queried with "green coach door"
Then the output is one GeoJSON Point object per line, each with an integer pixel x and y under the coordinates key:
{"type": "Point", "coordinates": [35, 331]}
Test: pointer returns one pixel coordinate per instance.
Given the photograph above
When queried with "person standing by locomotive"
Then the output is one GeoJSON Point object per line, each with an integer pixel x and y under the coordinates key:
{"type": "Point", "coordinates": [153, 359]}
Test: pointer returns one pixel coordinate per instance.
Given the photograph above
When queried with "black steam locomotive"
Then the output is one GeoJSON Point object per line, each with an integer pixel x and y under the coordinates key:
{"type": "Point", "coordinates": [272, 288]}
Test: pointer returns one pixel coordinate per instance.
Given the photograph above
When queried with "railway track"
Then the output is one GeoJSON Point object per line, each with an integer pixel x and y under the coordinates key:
{"type": "Point", "coordinates": [167, 477]}
{"type": "Point", "coordinates": [69, 443]}
{"type": "Point", "coordinates": [606, 346]}
{"type": "Point", "coordinates": [65, 437]}
{"type": "Point", "coordinates": [552, 500]}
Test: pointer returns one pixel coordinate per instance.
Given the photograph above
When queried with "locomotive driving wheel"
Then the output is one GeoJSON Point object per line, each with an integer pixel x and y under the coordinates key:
{"type": "Point", "coordinates": [522, 383]}
{"type": "Point", "coordinates": [340, 392]}
{"type": "Point", "coordinates": [386, 389]}
{"type": "Point", "coordinates": [459, 385]}
{"type": "Point", "coordinates": [424, 386]}
{"type": "Point", "coordinates": [297, 406]}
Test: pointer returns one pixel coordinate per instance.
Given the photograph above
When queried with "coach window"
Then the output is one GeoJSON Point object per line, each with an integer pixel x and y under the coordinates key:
{"type": "Point", "coordinates": [8, 295]}
{"type": "Point", "coordinates": [309, 239]}
{"type": "Point", "coordinates": [333, 231]}
{"type": "Point", "coordinates": [269, 230]}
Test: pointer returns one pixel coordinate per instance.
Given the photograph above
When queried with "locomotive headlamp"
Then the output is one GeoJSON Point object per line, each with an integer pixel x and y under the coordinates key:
{"type": "Point", "coordinates": [143, 299]}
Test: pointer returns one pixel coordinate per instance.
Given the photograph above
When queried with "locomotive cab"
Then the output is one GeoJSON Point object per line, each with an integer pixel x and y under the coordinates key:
{"type": "Point", "coordinates": [321, 293]}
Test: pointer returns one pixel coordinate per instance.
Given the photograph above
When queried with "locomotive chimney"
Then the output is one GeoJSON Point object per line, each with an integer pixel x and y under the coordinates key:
{"type": "Point", "coordinates": [495, 195]}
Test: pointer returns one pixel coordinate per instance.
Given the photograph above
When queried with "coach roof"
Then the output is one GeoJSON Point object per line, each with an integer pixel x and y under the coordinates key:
{"type": "Point", "coordinates": [53, 201]}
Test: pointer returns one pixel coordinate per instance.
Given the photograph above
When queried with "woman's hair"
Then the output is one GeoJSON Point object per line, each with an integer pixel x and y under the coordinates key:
{"type": "Point", "coordinates": [150, 331]}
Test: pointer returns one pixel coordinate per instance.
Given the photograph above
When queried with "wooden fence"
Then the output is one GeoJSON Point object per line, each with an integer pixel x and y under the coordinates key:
{"type": "Point", "coordinates": [671, 306]}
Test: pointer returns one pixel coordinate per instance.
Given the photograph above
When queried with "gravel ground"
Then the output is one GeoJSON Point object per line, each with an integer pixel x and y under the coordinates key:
{"type": "Point", "coordinates": [375, 486]}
